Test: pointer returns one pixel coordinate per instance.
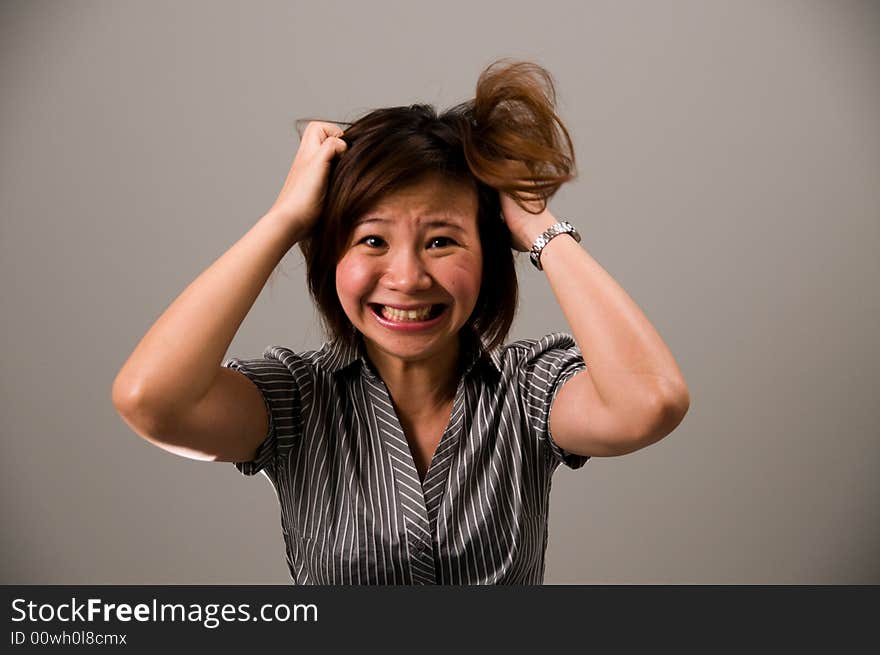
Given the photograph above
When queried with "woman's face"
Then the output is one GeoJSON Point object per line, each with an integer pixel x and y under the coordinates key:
{"type": "Point", "coordinates": [417, 248]}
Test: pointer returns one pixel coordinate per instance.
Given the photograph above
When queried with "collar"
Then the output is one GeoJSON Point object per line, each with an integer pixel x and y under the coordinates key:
{"type": "Point", "coordinates": [335, 355]}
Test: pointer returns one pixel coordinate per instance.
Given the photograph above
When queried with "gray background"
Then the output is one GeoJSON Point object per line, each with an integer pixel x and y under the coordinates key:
{"type": "Point", "coordinates": [729, 157]}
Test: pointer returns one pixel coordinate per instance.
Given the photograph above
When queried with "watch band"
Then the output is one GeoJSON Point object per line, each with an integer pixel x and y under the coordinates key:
{"type": "Point", "coordinates": [562, 227]}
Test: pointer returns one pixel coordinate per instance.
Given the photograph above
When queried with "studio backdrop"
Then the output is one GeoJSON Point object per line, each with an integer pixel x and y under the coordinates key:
{"type": "Point", "coordinates": [728, 157]}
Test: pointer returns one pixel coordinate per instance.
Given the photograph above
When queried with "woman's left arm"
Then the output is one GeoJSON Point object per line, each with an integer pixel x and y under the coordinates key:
{"type": "Point", "coordinates": [632, 393]}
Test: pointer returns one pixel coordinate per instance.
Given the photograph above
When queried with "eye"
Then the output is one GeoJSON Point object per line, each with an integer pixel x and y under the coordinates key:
{"type": "Point", "coordinates": [377, 242]}
{"type": "Point", "coordinates": [441, 239]}
{"type": "Point", "coordinates": [371, 237]}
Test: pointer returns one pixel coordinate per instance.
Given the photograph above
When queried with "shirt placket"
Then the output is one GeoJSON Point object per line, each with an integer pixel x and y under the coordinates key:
{"type": "Point", "coordinates": [419, 504]}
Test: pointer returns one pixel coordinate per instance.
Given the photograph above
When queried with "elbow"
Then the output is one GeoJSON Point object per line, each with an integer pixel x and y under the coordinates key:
{"type": "Point", "coordinates": [668, 409]}
{"type": "Point", "coordinates": [675, 402]}
{"type": "Point", "coordinates": [123, 396]}
{"type": "Point", "coordinates": [130, 403]}
{"type": "Point", "coordinates": [127, 396]}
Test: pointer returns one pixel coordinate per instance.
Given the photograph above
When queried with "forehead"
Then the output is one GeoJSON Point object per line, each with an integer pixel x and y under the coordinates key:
{"type": "Point", "coordinates": [434, 197]}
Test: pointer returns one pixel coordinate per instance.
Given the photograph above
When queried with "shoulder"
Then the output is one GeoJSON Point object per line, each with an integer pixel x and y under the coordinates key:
{"type": "Point", "coordinates": [529, 351]}
{"type": "Point", "coordinates": [306, 366]}
{"type": "Point", "coordinates": [276, 361]}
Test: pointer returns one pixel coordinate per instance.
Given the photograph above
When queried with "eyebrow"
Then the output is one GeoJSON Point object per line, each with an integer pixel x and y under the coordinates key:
{"type": "Point", "coordinates": [436, 222]}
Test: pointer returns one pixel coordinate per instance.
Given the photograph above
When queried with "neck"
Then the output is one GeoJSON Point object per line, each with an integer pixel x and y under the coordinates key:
{"type": "Point", "coordinates": [419, 387]}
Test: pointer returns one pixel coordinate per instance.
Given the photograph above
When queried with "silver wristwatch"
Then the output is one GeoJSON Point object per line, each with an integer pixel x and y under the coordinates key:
{"type": "Point", "coordinates": [562, 227]}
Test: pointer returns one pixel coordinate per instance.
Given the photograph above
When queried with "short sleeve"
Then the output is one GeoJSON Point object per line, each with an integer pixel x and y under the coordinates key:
{"type": "Point", "coordinates": [273, 376]}
{"type": "Point", "coordinates": [547, 365]}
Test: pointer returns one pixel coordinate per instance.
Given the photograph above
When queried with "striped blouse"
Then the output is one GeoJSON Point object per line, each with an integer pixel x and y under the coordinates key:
{"type": "Point", "coordinates": [353, 508]}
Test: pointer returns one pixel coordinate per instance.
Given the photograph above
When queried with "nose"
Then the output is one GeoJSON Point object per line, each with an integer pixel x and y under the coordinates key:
{"type": "Point", "coordinates": [406, 271]}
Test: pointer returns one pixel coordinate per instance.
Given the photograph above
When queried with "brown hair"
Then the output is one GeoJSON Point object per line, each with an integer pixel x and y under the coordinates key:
{"type": "Point", "coordinates": [507, 138]}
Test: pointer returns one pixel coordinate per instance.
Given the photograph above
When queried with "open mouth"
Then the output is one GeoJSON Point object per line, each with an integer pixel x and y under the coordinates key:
{"type": "Point", "coordinates": [406, 317]}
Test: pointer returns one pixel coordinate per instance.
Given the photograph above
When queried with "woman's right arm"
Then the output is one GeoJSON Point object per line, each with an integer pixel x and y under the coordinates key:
{"type": "Point", "coordinates": [173, 389]}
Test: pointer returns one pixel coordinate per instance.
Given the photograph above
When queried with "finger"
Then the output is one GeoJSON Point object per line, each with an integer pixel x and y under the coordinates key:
{"type": "Point", "coordinates": [318, 132]}
{"type": "Point", "coordinates": [334, 146]}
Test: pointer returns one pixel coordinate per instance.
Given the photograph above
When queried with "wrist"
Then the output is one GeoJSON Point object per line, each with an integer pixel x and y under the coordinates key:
{"type": "Point", "coordinates": [291, 232]}
{"type": "Point", "coordinates": [534, 229]}
{"type": "Point", "coordinates": [543, 241]}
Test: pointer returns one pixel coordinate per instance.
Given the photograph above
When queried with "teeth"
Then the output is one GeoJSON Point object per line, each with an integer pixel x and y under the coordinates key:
{"type": "Point", "coordinates": [408, 315]}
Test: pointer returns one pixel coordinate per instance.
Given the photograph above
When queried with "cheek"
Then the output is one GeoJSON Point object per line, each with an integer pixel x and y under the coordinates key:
{"type": "Point", "coordinates": [465, 280]}
{"type": "Point", "coordinates": [353, 279]}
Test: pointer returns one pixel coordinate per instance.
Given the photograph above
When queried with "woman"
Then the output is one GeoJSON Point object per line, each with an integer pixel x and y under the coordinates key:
{"type": "Point", "coordinates": [413, 447]}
